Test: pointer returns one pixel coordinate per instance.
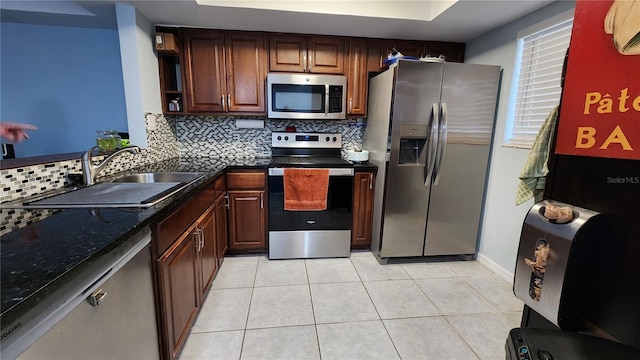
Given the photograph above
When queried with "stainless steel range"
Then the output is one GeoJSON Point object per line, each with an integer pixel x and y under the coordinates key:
{"type": "Point", "coordinates": [310, 233]}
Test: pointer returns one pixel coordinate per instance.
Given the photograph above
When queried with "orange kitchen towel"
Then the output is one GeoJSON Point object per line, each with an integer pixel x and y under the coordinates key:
{"type": "Point", "coordinates": [305, 189]}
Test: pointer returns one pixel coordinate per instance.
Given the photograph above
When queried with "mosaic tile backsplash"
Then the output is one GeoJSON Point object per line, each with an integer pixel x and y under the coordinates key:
{"type": "Point", "coordinates": [188, 138]}
{"type": "Point", "coordinates": [218, 137]}
{"type": "Point", "coordinates": [32, 180]}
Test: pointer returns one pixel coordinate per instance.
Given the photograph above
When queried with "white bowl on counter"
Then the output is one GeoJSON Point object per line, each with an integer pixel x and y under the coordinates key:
{"type": "Point", "coordinates": [357, 156]}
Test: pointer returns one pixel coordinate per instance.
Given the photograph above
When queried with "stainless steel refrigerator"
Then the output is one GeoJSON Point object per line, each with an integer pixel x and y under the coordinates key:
{"type": "Point", "coordinates": [429, 131]}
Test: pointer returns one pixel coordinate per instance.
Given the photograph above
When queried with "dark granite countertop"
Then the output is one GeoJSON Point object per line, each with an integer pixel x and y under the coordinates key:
{"type": "Point", "coordinates": [40, 258]}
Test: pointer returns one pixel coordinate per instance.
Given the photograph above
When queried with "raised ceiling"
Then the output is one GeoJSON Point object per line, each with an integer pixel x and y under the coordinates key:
{"type": "Point", "coordinates": [443, 20]}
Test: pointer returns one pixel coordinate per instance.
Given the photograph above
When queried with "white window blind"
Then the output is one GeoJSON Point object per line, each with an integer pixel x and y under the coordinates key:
{"type": "Point", "coordinates": [538, 86]}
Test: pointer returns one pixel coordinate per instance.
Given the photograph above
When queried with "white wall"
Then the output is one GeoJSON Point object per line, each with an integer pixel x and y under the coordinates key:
{"type": "Point", "coordinates": [139, 70]}
{"type": "Point", "coordinates": [502, 221]}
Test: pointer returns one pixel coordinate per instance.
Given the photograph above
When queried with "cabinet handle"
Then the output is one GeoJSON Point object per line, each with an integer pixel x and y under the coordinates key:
{"type": "Point", "coordinates": [226, 201]}
{"type": "Point", "coordinates": [97, 297]}
{"type": "Point", "coordinates": [304, 63]}
{"type": "Point", "coordinates": [261, 201]}
{"type": "Point", "coordinates": [222, 103]}
{"type": "Point", "coordinates": [310, 62]}
{"type": "Point", "coordinates": [350, 104]}
{"type": "Point", "coordinates": [370, 181]}
{"type": "Point", "coordinates": [228, 102]}
{"type": "Point", "coordinates": [201, 238]}
{"type": "Point", "coordinates": [197, 235]}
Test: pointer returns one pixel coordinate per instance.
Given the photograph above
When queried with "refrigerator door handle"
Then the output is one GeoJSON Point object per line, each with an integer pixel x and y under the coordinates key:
{"type": "Point", "coordinates": [432, 145]}
{"type": "Point", "coordinates": [442, 143]}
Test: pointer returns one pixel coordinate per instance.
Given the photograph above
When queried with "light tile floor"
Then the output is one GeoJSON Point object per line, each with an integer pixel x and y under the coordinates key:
{"type": "Point", "coordinates": [353, 308]}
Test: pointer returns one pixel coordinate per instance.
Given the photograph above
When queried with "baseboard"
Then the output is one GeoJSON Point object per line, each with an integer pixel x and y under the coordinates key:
{"type": "Point", "coordinates": [493, 266]}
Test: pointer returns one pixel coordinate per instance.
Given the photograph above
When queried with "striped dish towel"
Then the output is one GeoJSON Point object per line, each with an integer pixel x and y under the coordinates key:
{"type": "Point", "coordinates": [533, 175]}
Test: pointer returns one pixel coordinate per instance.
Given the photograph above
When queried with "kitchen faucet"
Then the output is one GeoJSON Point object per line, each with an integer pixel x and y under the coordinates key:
{"type": "Point", "coordinates": [90, 171]}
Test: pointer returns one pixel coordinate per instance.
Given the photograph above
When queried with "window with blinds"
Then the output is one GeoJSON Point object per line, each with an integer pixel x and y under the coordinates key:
{"type": "Point", "coordinates": [539, 70]}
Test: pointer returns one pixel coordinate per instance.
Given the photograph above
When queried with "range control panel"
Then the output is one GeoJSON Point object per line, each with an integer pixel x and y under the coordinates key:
{"type": "Point", "coordinates": [306, 140]}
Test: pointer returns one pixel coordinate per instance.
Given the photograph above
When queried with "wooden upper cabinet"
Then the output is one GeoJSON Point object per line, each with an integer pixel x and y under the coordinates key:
{"type": "Point", "coordinates": [224, 71]}
{"type": "Point", "coordinates": [357, 77]}
{"type": "Point", "coordinates": [326, 55]}
{"type": "Point", "coordinates": [246, 59]}
{"type": "Point", "coordinates": [204, 70]}
{"type": "Point", "coordinates": [312, 54]}
{"type": "Point", "coordinates": [287, 53]}
{"type": "Point", "coordinates": [374, 57]}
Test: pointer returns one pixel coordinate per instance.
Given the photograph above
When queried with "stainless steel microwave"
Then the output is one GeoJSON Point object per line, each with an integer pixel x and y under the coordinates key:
{"type": "Point", "coordinates": [306, 96]}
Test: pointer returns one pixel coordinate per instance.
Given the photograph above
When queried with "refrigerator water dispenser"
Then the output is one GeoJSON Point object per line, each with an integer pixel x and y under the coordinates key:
{"type": "Point", "coordinates": [557, 245]}
{"type": "Point", "coordinates": [413, 139]}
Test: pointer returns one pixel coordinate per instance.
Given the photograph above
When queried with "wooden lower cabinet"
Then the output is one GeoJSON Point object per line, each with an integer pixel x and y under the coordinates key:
{"type": "Point", "coordinates": [206, 243]}
{"type": "Point", "coordinates": [222, 230]}
{"type": "Point", "coordinates": [179, 293]}
{"type": "Point", "coordinates": [247, 192]}
{"type": "Point", "coordinates": [363, 192]}
{"type": "Point", "coordinates": [247, 220]}
{"type": "Point", "coordinates": [186, 246]}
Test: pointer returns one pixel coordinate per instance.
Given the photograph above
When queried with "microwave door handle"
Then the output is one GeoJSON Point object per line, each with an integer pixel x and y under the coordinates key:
{"type": "Point", "coordinates": [326, 99]}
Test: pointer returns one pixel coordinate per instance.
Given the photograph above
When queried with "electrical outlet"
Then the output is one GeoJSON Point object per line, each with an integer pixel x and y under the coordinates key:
{"type": "Point", "coordinates": [151, 123]}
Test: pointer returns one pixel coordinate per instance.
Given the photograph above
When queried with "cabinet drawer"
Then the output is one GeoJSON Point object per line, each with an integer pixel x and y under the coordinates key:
{"type": "Point", "coordinates": [170, 228]}
{"type": "Point", "coordinates": [246, 180]}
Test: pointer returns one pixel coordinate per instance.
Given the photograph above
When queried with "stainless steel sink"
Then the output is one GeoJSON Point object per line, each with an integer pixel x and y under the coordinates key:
{"type": "Point", "coordinates": [129, 191]}
{"type": "Point", "coordinates": [159, 177]}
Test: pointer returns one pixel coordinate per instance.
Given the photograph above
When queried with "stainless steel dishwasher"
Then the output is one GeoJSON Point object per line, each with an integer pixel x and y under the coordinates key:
{"type": "Point", "coordinates": [111, 316]}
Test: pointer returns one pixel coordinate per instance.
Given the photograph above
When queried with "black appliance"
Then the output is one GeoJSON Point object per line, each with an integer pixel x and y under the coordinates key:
{"type": "Point", "coordinates": [545, 344]}
{"type": "Point", "coordinates": [310, 234]}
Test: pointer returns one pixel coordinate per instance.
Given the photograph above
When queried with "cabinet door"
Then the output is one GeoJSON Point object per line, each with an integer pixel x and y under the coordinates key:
{"type": "Point", "coordinates": [247, 220]}
{"type": "Point", "coordinates": [326, 55]}
{"type": "Point", "coordinates": [246, 60]}
{"type": "Point", "coordinates": [179, 291]}
{"type": "Point", "coordinates": [374, 55]}
{"type": "Point", "coordinates": [222, 240]}
{"type": "Point", "coordinates": [363, 192]}
{"type": "Point", "coordinates": [208, 251]}
{"type": "Point", "coordinates": [287, 53]}
{"type": "Point", "coordinates": [357, 78]}
{"type": "Point", "coordinates": [204, 71]}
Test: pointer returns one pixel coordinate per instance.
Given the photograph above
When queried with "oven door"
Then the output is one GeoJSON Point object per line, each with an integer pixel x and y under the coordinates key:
{"type": "Point", "coordinates": [309, 234]}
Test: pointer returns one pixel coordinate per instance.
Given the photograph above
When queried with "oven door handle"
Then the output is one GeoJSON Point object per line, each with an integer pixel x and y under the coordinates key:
{"type": "Point", "coordinates": [332, 172]}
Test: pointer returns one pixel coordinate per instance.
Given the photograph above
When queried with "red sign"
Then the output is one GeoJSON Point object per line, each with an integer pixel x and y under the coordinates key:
{"type": "Point", "coordinates": [600, 113]}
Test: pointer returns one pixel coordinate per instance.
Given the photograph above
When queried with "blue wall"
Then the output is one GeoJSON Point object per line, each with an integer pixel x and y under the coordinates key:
{"type": "Point", "coordinates": [65, 80]}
